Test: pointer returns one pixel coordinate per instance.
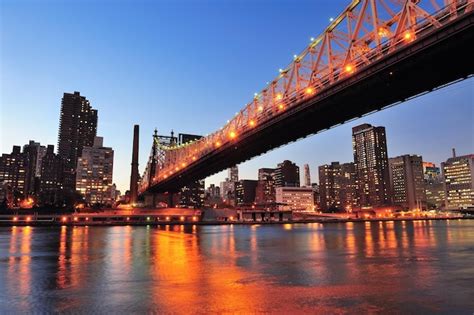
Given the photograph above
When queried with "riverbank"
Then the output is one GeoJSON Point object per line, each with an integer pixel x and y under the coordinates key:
{"type": "Point", "coordinates": [146, 220]}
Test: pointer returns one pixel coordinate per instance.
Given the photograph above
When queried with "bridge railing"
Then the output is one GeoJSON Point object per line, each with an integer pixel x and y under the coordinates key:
{"type": "Point", "coordinates": [366, 31]}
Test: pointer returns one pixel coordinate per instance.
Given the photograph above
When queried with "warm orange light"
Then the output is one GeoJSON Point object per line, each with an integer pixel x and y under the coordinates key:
{"type": "Point", "coordinates": [309, 91]}
{"type": "Point", "coordinates": [167, 218]}
{"type": "Point", "coordinates": [128, 218]}
{"type": "Point", "coordinates": [15, 219]}
{"type": "Point", "coordinates": [231, 218]}
{"type": "Point", "coordinates": [281, 106]}
{"type": "Point", "coordinates": [349, 68]}
{"type": "Point", "coordinates": [165, 176]}
{"type": "Point", "coordinates": [181, 218]}
{"type": "Point", "coordinates": [194, 158]}
{"type": "Point", "coordinates": [383, 32]}
{"type": "Point", "coordinates": [87, 219]}
{"type": "Point", "coordinates": [28, 219]}
{"type": "Point", "coordinates": [183, 164]}
{"type": "Point", "coordinates": [408, 36]}
{"type": "Point", "coordinates": [278, 97]}
{"type": "Point", "coordinates": [218, 144]}
{"type": "Point", "coordinates": [252, 123]}
{"type": "Point", "coordinates": [176, 168]}
{"type": "Point", "coordinates": [260, 108]}
{"type": "Point", "coordinates": [195, 218]}
{"type": "Point", "coordinates": [233, 135]}
{"type": "Point", "coordinates": [64, 219]}
{"type": "Point", "coordinates": [75, 219]}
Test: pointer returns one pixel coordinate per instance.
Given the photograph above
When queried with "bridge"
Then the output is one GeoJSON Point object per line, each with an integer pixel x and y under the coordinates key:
{"type": "Point", "coordinates": [375, 54]}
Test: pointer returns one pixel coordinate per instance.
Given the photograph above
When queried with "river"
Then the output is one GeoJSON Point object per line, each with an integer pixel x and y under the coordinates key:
{"type": "Point", "coordinates": [372, 267]}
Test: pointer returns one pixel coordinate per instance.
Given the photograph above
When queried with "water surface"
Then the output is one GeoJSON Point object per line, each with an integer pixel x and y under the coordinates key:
{"type": "Point", "coordinates": [390, 267]}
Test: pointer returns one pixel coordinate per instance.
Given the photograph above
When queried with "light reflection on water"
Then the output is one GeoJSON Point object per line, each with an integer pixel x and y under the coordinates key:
{"type": "Point", "coordinates": [411, 266]}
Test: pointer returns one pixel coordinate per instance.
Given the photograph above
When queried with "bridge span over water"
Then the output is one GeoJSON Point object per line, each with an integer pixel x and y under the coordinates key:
{"type": "Point", "coordinates": [375, 54]}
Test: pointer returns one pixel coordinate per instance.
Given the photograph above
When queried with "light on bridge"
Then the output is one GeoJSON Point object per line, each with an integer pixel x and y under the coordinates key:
{"type": "Point", "coordinates": [260, 108]}
{"type": "Point", "coordinates": [28, 219]}
{"type": "Point", "coordinates": [64, 219]}
{"type": "Point", "coordinates": [383, 32]}
{"type": "Point", "coordinates": [176, 168]}
{"type": "Point", "coordinates": [194, 158]}
{"type": "Point", "coordinates": [309, 91]}
{"type": "Point", "coordinates": [15, 219]}
{"type": "Point", "coordinates": [183, 164]}
{"type": "Point", "coordinates": [232, 135]}
{"type": "Point", "coordinates": [279, 97]}
{"type": "Point", "coordinates": [349, 68]}
{"type": "Point", "coordinates": [281, 107]}
{"type": "Point", "coordinates": [252, 123]}
{"type": "Point", "coordinates": [409, 36]}
{"type": "Point", "coordinates": [218, 144]}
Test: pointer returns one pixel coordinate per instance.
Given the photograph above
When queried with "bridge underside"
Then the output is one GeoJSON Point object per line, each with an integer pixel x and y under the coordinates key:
{"type": "Point", "coordinates": [433, 61]}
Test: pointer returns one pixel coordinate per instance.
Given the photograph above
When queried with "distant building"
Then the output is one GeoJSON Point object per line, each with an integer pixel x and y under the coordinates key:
{"type": "Point", "coordinates": [295, 198]}
{"type": "Point", "coordinates": [51, 180]}
{"type": "Point", "coordinates": [434, 186]}
{"type": "Point", "coordinates": [287, 174]}
{"type": "Point", "coordinates": [458, 174]}
{"type": "Point", "coordinates": [94, 173]}
{"type": "Point", "coordinates": [265, 190]}
{"type": "Point", "coordinates": [192, 195]}
{"type": "Point", "coordinates": [227, 190]}
{"type": "Point", "coordinates": [233, 173]}
{"type": "Point", "coordinates": [34, 153]}
{"type": "Point", "coordinates": [371, 165]}
{"type": "Point", "coordinates": [307, 176]}
{"type": "Point", "coordinates": [13, 173]}
{"type": "Point", "coordinates": [316, 195]}
{"type": "Point", "coordinates": [337, 187]}
{"type": "Point", "coordinates": [77, 129]}
{"type": "Point", "coordinates": [407, 181]}
{"type": "Point", "coordinates": [245, 191]}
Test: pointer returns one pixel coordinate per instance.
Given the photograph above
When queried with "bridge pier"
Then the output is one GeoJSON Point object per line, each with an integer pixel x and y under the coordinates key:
{"type": "Point", "coordinates": [153, 200]}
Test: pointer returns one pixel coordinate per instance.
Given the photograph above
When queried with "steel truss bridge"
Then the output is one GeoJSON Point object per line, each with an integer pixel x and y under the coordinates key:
{"type": "Point", "coordinates": [375, 54]}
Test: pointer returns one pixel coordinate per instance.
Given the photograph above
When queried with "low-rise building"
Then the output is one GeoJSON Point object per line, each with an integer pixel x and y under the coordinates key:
{"type": "Point", "coordinates": [295, 198]}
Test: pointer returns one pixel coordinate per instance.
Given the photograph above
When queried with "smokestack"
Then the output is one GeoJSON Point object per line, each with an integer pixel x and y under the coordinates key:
{"type": "Point", "coordinates": [134, 174]}
{"type": "Point", "coordinates": [454, 152]}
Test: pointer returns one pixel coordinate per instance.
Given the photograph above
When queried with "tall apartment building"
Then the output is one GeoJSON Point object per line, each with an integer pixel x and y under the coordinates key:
{"type": "Point", "coordinates": [307, 176]}
{"type": "Point", "coordinates": [299, 199]}
{"type": "Point", "coordinates": [34, 153]}
{"type": "Point", "coordinates": [192, 195]}
{"type": "Point", "coordinates": [287, 174]}
{"type": "Point", "coordinates": [245, 191]}
{"type": "Point", "coordinates": [434, 186]}
{"type": "Point", "coordinates": [265, 190]}
{"type": "Point", "coordinates": [77, 129]}
{"type": "Point", "coordinates": [371, 165]}
{"type": "Point", "coordinates": [458, 174]}
{"type": "Point", "coordinates": [94, 173]}
{"type": "Point", "coordinates": [51, 180]}
{"type": "Point", "coordinates": [13, 174]}
{"type": "Point", "coordinates": [407, 182]}
{"type": "Point", "coordinates": [233, 173]}
{"type": "Point", "coordinates": [337, 186]}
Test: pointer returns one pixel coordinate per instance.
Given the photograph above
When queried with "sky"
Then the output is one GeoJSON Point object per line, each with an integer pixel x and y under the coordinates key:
{"type": "Point", "coordinates": [189, 66]}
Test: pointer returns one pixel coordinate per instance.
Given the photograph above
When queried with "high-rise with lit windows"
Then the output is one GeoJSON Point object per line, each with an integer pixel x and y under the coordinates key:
{"type": "Point", "coordinates": [77, 129]}
{"type": "Point", "coordinates": [94, 173]}
{"type": "Point", "coordinates": [371, 165]}
{"type": "Point", "coordinates": [407, 181]}
{"type": "Point", "coordinates": [458, 174]}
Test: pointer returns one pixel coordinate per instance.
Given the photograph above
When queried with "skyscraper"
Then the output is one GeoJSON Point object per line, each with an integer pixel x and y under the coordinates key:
{"type": "Point", "coordinates": [307, 176]}
{"type": "Point", "coordinates": [265, 190]}
{"type": "Point", "coordinates": [458, 173]}
{"type": "Point", "coordinates": [51, 181]}
{"type": "Point", "coordinates": [233, 173]}
{"type": "Point", "coordinates": [192, 195]}
{"type": "Point", "coordinates": [245, 191]}
{"type": "Point", "coordinates": [77, 129]}
{"type": "Point", "coordinates": [337, 186]}
{"type": "Point", "coordinates": [287, 174]}
{"type": "Point", "coordinates": [94, 173]}
{"type": "Point", "coordinates": [407, 181]}
{"type": "Point", "coordinates": [434, 187]}
{"type": "Point", "coordinates": [34, 153]}
{"type": "Point", "coordinates": [13, 173]}
{"type": "Point", "coordinates": [371, 165]}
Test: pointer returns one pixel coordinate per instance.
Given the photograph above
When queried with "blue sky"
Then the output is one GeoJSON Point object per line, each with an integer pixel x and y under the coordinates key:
{"type": "Point", "coordinates": [188, 66]}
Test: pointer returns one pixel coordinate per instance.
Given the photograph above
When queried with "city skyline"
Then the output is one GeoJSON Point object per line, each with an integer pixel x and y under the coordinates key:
{"type": "Point", "coordinates": [430, 127]}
